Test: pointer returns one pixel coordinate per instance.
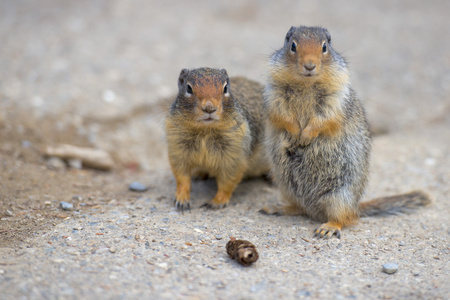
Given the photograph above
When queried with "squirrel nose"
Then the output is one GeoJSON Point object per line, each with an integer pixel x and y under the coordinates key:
{"type": "Point", "coordinates": [309, 67]}
{"type": "Point", "coordinates": [209, 108]}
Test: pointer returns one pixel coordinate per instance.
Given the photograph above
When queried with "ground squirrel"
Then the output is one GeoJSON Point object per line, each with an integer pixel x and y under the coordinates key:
{"type": "Point", "coordinates": [318, 140]}
{"type": "Point", "coordinates": [215, 127]}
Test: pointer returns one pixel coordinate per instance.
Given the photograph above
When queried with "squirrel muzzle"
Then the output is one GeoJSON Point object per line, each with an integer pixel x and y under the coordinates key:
{"type": "Point", "coordinates": [211, 110]}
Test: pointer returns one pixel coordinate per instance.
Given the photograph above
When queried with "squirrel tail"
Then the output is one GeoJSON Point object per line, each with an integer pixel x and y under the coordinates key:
{"type": "Point", "coordinates": [394, 205]}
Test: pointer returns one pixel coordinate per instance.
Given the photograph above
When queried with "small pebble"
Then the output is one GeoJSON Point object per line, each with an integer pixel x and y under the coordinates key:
{"type": "Point", "coordinates": [113, 250]}
{"type": "Point", "coordinates": [390, 268]}
{"type": "Point", "coordinates": [162, 265]}
{"type": "Point", "coordinates": [218, 237]}
{"type": "Point", "coordinates": [78, 228]}
{"type": "Point", "coordinates": [56, 164]}
{"type": "Point", "coordinates": [8, 213]}
{"type": "Point", "coordinates": [65, 205]}
{"type": "Point", "coordinates": [77, 198]}
{"type": "Point", "coordinates": [75, 163]}
{"type": "Point", "coordinates": [401, 243]}
{"type": "Point", "coordinates": [26, 144]}
{"type": "Point", "coordinates": [73, 251]}
{"type": "Point", "coordinates": [137, 187]}
{"type": "Point", "coordinates": [47, 203]}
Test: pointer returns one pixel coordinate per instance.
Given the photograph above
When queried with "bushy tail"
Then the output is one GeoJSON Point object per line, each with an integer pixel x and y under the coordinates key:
{"type": "Point", "coordinates": [394, 205]}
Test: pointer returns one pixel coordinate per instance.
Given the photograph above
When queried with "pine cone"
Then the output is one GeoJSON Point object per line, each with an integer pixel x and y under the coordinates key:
{"type": "Point", "coordinates": [242, 251]}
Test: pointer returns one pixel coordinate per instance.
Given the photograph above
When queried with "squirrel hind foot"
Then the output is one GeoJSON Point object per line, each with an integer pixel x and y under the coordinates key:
{"type": "Point", "coordinates": [327, 230]}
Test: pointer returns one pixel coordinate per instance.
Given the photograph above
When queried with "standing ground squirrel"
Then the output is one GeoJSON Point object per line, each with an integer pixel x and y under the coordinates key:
{"type": "Point", "coordinates": [215, 127]}
{"type": "Point", "coordinates": [318, 141]}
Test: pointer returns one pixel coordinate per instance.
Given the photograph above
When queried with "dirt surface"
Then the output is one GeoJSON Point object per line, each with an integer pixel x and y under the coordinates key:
{"type": "Point", "coordinates": [101, 74]}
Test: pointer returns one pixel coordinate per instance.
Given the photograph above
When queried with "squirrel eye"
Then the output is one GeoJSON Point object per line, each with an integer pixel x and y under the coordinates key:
{"type": "Point", "coordinates": [324, 48]}
{"type": "Point", "coordinates": [189, 89]}
{"type": "Point", "coordinates": [225, 88]}
{"type": "Point", "coordinates": [294, 47]}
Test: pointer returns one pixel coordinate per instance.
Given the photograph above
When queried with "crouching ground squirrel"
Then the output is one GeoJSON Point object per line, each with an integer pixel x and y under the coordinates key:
{"type": "Point", "coordinates": [215, 127]}
{"type": "Point", "coordinates": [318, 141]}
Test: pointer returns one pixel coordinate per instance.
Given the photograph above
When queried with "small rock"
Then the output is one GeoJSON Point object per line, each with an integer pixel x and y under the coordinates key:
{"type": "Point", "coordinates": [56, 164]}
{"type": "Point", "coordinates": [221, 284]}
{"type": "Point", "coordinates": [66, 205]}
{"type": "Point", "coordinates": [77, 198]}
{"type": "Point", "coordinates": [390, 268]}
{"type": "Point", "coordinates": [218, 237]}
{"type": "Point", "coordinates": [303, 293]}
{"type": "Point", "coordinates": [78, 228]}
{"type": "Point", "coordinates": [47, 203]}
{"type": "Point", "coordinates": [108, 96]}
{"type": "Point", "coordinates": [8, 213]}
{"type": "Point", "coordinates": [75, 163]}
{"type": "Point", "coordinates": [137, 187]}
{"type": "Point", "coordinates": [72, 251]}
{"type": "Point", "coordinates": [26, 144]}
{"type": "Point", "coordinates": [113, 249]}
{"type": "Point", "coordinates": [401, 243]}
{"type": "Point", "coordinates": [163, 265]}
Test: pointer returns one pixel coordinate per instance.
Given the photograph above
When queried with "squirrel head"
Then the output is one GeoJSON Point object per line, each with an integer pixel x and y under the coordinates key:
{"type": "Point", "coordinates": [203, 94]}
{"type": "Point", "coordinates": [308, 48]}
{"type": "Point", "coordinates": [307, 55]}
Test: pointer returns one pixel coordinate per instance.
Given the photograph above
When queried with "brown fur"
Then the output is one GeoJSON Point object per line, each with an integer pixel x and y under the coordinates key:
{"type": "Point", "coordinates": [227, 147]}
{"type": "Point", "coordinates": [318, 140]}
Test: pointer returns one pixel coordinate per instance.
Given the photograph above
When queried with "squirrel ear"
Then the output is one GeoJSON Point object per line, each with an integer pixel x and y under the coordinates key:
{"type": "Point", "coordinates": [182, 78]}
{"type": "Point", "coordinates": [328, 36]}
{"type": "Point", "coordinates": [224, 72]}
{"type": "Point", "coordinates": [289, 35]}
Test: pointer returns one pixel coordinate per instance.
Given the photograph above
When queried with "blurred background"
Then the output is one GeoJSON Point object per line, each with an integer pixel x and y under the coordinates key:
{"type": "Point", "coordinates": [102, 73]}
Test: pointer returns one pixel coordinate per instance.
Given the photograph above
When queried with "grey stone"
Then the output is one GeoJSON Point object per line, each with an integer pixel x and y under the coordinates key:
{"type": "Point", "coordinates": [66, 205]}
{"type": "Point", "coordinates": [137, 187]}
{"type": "Point", "coordinates": [75, 163]}
{"type": "Point", "coordinates": [390, 268]}
{"type": "Point", "coordinates": [56, 164]}
{"type": "Point", "coordinates": [77, 198]}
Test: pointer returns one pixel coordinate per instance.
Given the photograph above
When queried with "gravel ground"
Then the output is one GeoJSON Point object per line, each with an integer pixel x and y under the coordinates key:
{"type": "Point", "coordinates": [102, 73]}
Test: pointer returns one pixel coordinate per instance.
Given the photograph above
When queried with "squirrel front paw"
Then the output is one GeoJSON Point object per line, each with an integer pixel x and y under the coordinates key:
{"type": "Point", "coordinates": [182, 205]}
{"type": "Point", "coordinates": [182, 199]}
{"type": "Point", "coordinates": [293, 143]}
{"type": "Point", "coordinates": [304, 140]}
{"type": "Point", "coordinates": [220, 201]}
{"type": "Point", "coordinates": [307, 135]}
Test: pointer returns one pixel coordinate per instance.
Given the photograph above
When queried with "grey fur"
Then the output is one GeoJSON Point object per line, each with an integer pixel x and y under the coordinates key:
{"type": "Point", "coordinates": [331, 172]}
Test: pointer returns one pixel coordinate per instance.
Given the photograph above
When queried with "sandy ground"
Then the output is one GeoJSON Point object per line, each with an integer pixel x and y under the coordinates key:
{"type": "Point", "coordinates": [101, 74]}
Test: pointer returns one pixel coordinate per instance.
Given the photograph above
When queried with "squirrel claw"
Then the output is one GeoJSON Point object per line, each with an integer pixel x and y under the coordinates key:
{"type": "Point", "coordinates": [304, 141]}
{"type": "Point", "coordinates": [270, 211]}
{"type": "Point", "coordinates": [326, 233]}
{"type": "Point", "coordinates": [212, 205]}
{"type": "Point", "coordinates": [183, 206]}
